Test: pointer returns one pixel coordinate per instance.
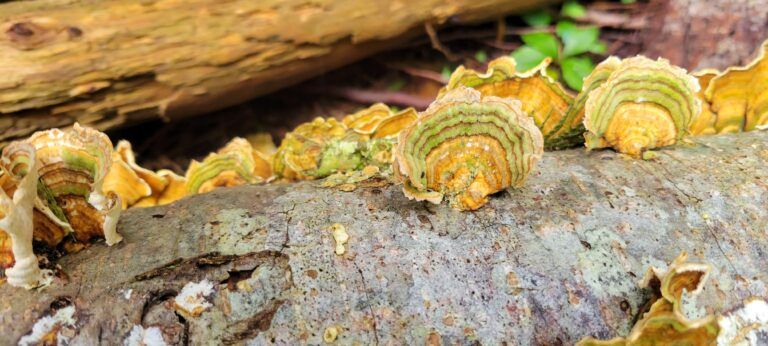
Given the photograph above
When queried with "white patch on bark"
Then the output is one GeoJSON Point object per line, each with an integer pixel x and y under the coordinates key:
{"type": "Point", "coordinates": [742, 327]}
{"type": "Point", "coordinates": [192, 299]}
{"type": "Point", "coordinates": [140, 336]}
{"type": "Point", "coordinates": [62, 317]}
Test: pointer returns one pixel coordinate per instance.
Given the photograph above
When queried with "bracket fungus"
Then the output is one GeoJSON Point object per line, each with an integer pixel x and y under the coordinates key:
{"type": "Point", "coordinates": [644, 104]}
{"type": "Point", "coordinates": [72, 167]}
{"type": "Point", "coordinates": [237, 163]}
{"type": "Point", "coordinates": [664, 322]}
{"type": "Point", "coordinates": [18, 192]}
{"type": "Point", "coordinates": [543, 98]}
{"type": "Point", "coordinates": [572, 130]}
{"type": "Point", "coordinates": [324, 147]}
{"type": "Point", "coordinates": [299, 153]}
{"type": "Point", "coordinates": [133, 183]}
{"type": "Point", "coordinates": [56, 179]}
{"type": "Point", "coordinates": [466, 147]}
{"type": "Point", "coordinates": [737, 98]}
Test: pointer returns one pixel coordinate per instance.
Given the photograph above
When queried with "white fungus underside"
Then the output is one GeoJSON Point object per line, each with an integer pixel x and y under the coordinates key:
{"type": "Point", "coordinates": [753, 317]}
{"type": "Point", "coordinates": [43, 326]}
{"type": "Point", "coordinates": [193, 296]}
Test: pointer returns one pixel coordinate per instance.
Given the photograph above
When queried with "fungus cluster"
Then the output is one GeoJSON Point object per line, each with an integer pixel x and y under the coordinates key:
{"type": "Point", "coordinates": [52, 193]}
{"type": "Point", "coordinates": [736, 99]}
{"type": "Point", "coordinates": [665, 323]}
{"type": "Point", "coordinates": [543, 98]}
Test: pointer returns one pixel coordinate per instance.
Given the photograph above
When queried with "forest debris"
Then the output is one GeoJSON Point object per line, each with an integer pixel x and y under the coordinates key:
{"type": "Point", "coordinates": [330, 334]}
{"type": "Point", "coordinates": [340, 237]}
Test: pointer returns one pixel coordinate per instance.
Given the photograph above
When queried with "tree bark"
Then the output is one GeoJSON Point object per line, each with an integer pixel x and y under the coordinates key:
{"type": "Point", "coordinates": [706, 34]}
{"type": "Point", "coordinates": [112, 63]}
{"type": "Point", "coordinates": [549, 263]}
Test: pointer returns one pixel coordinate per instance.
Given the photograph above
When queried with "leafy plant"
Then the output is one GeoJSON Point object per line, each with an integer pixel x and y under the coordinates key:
{"type": "Point", "coordinates": [569, 47]}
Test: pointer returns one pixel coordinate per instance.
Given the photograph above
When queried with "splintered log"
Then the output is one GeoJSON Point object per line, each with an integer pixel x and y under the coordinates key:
{"type": "Point", "coordinates": [112, 63]}
{"type": "Point", "coordinates": [550, 263]}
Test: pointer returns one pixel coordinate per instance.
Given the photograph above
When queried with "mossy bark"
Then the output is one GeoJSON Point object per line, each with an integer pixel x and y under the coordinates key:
{"type": "Point", "coordinates": [112, 63]}
{"type": "Point", "coordinates": [549, 263]}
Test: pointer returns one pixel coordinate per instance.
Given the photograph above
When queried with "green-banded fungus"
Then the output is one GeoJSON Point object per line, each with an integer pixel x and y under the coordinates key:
{"type": "Point", "coordinates": [644, 104]}
{"type": "Point", "coordinates": [542, 97]}
{"type": "Point", "coordinates": [237, 163]}
{"type": "Point", "coordinates": [466, 147]}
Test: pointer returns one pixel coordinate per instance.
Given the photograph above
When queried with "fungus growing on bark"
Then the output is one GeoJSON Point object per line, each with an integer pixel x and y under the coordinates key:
{"type": "Point", "coordinates": [18, 191]}
{"type": "Point", "coordinates": [235, 164]}
{"type": "Point", "coordinates": [299, 153]}
{"type": "Point", "coordinates": [572, 130]}
{"type": "Point", "coordinates": [704, 123]}
{"type": "Point", "coordinates": [644, 104]}
{"type": "Point", "coordinates": [72, 167]}
{"type": "Point", "coordinates": [130, 181]}
{"type": "Point", "coordinates": [193, 299]}
{"type": "Point", "coordinates": [739, 96]}
{"type": "Point", "coordinates": [466, 147]}
{"type": "Point", "coordinates": [542, 97]}
{"type": "Point", "coordinates": [396, 122]}
{"type": "Point", "coordinates": [665, 323]}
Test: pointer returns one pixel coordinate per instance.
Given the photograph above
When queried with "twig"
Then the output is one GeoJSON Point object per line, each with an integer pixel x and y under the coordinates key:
{"type": "Point", "coordinates": [417, 72]}
{"type": "Point", "coordinates": [436, 44]}
{"type": "Point", "coordinates": [373, 96]}
{"type": "Point", "coordinates": [501, 30]}
{"type": "Point", "coordinates": [613, 20]}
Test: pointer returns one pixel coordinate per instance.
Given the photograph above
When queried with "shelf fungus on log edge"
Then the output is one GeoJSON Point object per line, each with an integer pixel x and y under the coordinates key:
{"type": "Point", "coordinates": [543, 98]}
{"type": "Point", "coordinates": [736, 99]}
{"type": "Point", "coordinates": [644, 104]}
{"type": "Point", "coordinates": [466, 147]}
{"type": "Point", "coordinates": [327, 147]}
{"type": "Point", "coordinates": [237, 163]}
{"type": "Point", "coordinates": [69, 207]}
{"type": "Point", "coordinates": [665, 322]}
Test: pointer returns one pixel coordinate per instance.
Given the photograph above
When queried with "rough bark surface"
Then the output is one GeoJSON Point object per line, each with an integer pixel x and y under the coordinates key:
{"type": "Point", "coordinates": [547, 264]}
{"type": "Point", "coordinates": [700, 34]}
{"type": "Point", "coordinates": [111, 63]}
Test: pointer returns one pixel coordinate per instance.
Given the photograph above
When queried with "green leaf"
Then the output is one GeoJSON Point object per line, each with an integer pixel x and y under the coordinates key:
{"type": "Point", "coordinates": [598, 48]}
{"type": "Point", "coordinates": [527, 58]}
{"type": "Point", "coordinates": [396, 85]}
{"type": "Point", "coordinates": [575, 69]}
{"type": "Point", "coordinates": [446, 72]}
{"type": "Point", "coordinates": [626, 2]}
{"type": "Point", "coordinates": [577, 40]}
{"type": "Point", "coordinates": [481, 56]}
{"type": "Point", "coordinates": [544, 42]}
{"type": "Point", "coordinates": [573, 9]}
{"type": "Point", "coordinates": [538, 18]}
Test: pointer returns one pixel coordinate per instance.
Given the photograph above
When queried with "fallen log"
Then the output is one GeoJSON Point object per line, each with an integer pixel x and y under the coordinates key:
{"type": "Point", "coordinates": [550, 263]}
{"type": "Point", "coordinates": [113, 63]}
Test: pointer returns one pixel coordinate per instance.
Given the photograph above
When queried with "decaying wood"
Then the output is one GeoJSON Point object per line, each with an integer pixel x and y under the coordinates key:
{"type": "Point", "coordinates": [111, 63]}
{"type": "Point", "coordinates": [699, 34]}
{"type": "Point", "coordinates": [547, 264]}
